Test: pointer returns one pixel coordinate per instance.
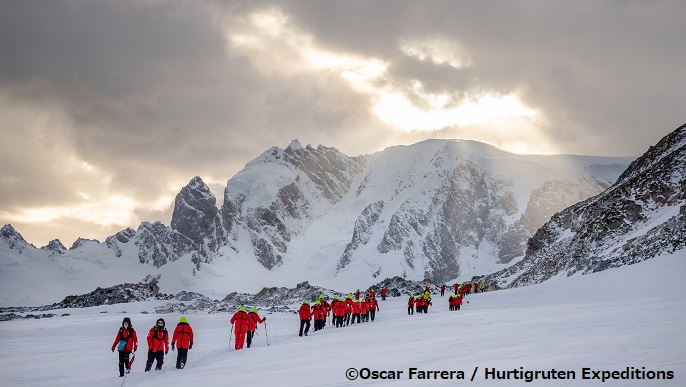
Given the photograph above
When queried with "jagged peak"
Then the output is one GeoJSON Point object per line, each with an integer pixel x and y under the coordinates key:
{"type": "Point", "coordinates": [13, 238]}
{"type": "Point", "coordinates": [55, 245]}
{"type": "Point", "coordinates": [8, 230]}
{"type": "Point", "coordinates": [81, 241]}
{"type": "Point", "coordinates": [197, 183]}
{"type": "Point", "coordinates": [295, 145]}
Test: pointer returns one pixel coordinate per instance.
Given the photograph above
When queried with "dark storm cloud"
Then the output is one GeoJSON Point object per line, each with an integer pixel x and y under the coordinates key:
{"type": "Point", "coordinates": [609, 70]}
{"type": "Point", "coordinates": [136, 98]}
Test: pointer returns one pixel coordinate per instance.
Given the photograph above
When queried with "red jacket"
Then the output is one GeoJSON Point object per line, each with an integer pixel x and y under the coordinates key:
{"type": "Point", "coordinates": [319, 312]}
{"type": "Point", "coordinates": [356, 308]}
{"type": "Point", "coordinates": [374, 305]}
{"type": "Point", "coordinates": [458, 300]}
{"type": "Point", "coordinates": [410, 302]}
{"type": "Point", "coordinates": [348, 305]}
{"type": "Point", "coordinates": [339, 309]}
{"type": "Point", "coordinates": [158, 339]}
{"type": "Point", "coordinates": [242, 322]}
{"type": "Point", "coordinates": [129, 335]}
{"type": "Point", "coordinates": [183, 336]}
{"type": "Point", "coordinates": [383, 291]}
{"type": "Point", "coordinates": [305, 312]}
{"type": "Point", "coordinates": [254, 319]}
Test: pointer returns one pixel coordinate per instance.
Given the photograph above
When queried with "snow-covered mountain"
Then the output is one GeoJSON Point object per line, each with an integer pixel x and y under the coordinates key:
{"type": "Point", "coordinates": [438, 209]}
{"type": "Point", "coordinates": [641, 216]}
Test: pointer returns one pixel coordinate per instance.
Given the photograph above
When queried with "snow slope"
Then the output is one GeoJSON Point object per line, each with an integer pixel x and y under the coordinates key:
{"type": "Point", "coordinates": [632, 316]}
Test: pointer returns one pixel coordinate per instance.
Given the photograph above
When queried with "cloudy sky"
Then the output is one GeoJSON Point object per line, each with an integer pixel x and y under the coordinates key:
{"type": "Point", "coordinates": [108, 108]}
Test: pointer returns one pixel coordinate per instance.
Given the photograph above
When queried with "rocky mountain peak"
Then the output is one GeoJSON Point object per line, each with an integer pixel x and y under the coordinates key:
{"type": "Point", "coordinates": [13, 239]}
{"type": "Point", "coordinates": [641, 216]}
{"type": "Point", "coordinates": [195, 208]}
{"type": "Point", "coordinates": [55, 246]}
{"type": "Point", "coordinates": [82, 241]}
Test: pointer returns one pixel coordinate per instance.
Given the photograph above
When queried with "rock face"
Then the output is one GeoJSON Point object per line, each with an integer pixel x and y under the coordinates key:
{"type": "Point", "coordinates": [280, 193]}
{"type": "Point", "coordinates": [195, 208]}
{"type": "Point", "coordinates": [55, 247]}
{"type": "Point", "coordinates": [434, 210]}
{"type": "Point", "coordinates": [641, 216]}
{"type": "Point", "coordinates": [13, 239]}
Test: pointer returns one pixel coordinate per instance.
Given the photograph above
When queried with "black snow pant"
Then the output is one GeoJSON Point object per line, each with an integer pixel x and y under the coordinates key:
{"type": "Point", "coordinates": [181, 358]}
{"type": "Point", "coordinates": [372, 313]}
{"type": "Point", "coordinates": [152, 356]}
{"type": "Point", "coordinates": [123, 361]}
{"type": "Point", "coordinates": [356, 316]}
{"type": "Point", "coordinates": [410, 310]}
{"type": "Point", "coordinates": [442, 292]}
{"type": "Point", "coordinates": [306, 324]}
{"type": "Point", "coordinates": [248, 338]}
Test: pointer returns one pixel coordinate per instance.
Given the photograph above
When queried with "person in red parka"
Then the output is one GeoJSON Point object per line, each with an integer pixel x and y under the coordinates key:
{"type": "Point", "coordinates": [241, 326]}
{"type": "Point", "coordinates": [126, 342]}
{"type": "Point", "coordinates": [373, 307]}
{"type": "Point", "coordinates": [348, 309]}
{"type": "Point", "coordinates": [305, 315]}
{"type": "Point", "coordinates": [383, 294]}
{"type": "Point", "coordinates": [442, 290]}
{"type": "Point", "coordinates": [458, 301]}
{"type": "Point", "coordinates": [183, 340]}
{"type": "Point", "coordinates": [158, 345]}
{"type": "Point", "coordinates": [339, 308]}
{"type": "Point", "coordinates": [410, 305]}
{"type": "Point", "coordinates": [254, 319]}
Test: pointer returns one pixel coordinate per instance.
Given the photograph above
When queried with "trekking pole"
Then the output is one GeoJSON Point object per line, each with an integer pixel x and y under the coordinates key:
{"type": "Point", "coordinates": [230, 335]}
{"type": "Point", "coordinates": [266, 332]}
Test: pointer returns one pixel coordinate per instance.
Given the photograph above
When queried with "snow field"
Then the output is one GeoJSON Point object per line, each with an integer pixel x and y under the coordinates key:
{"type": "Point", "coordinates": [631, 316]}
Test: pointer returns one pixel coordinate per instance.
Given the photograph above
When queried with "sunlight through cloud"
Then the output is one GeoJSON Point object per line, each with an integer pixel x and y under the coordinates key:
{"type": "Point", "coordinates": [275, 45]}
{"type": "Point", "coordinates": [438, 50]}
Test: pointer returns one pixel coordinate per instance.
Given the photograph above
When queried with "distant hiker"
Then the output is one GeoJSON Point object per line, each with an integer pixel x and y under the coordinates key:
{"type": "Point", "coordinates": [241, 325]}
{"type": "Point", "coordinates": [426, 301]}
{"type": "Point", "coordinates": [457, 287]}
{"type": "Point", "coordinates": [339, 308]}
{"type": "Point", "coordinates": [372, 293]}
{"type": "Point", "coordinates": [419, 304]}
{"type": "Point", "coordinates": [451, 302]}
{"type": "Point", "coordinates": [305, 315]}
{"type": "Point", "coordinates": [327, 307]}
{"type": "Point", "coordinates": [158, 345]}
{"type": "Point", "coordinates": [410, 304]}
{"type": "Point", "coordinates": [183, 340]}
{"type": "Point", "coordinates": [254, 320]}
{"type": "Point", "coordinates": [442, 290]}
{"type": "Point", "coordinates": [364, 310]}
{"type": "Point", "coordinates": [348, 308]}
{"type": "Point", "coordinates": [319, 313]}
{"type": "Point", "coordinates": [383, 294]}
{"type": "Point", "coordinates": [475, 286]}
{"type": "Point", "coordinates": [357, 294]}
{"type": "Point", "coordinates": [356, 311]}
{"type": "Point", "coordinates": [373, 307]}
{"type": "Point", "coordinates": [125, 342]}
{"type": "Point", "coordinates": [457, 301]}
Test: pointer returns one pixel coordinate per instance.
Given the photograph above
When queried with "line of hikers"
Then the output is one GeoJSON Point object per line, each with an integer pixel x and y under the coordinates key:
{"type": "Point", "coordinates": [343, 311]}
{"type": "Point", "coordinates": [422, 302]}
{"type": "Point", "coordinates": [126, 342]}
